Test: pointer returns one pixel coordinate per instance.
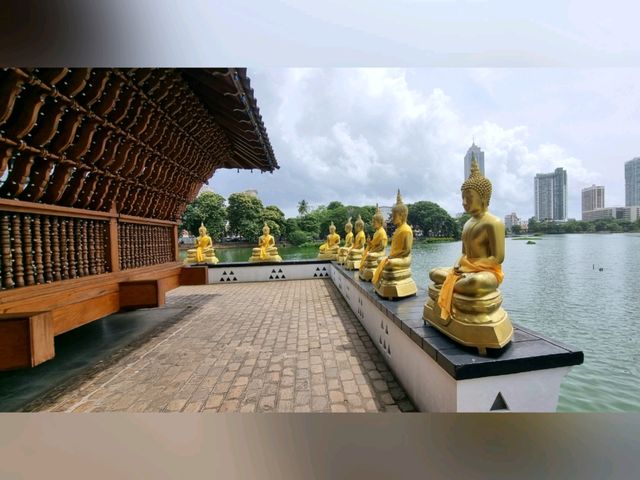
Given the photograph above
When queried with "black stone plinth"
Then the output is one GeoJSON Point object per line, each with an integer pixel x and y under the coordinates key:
{"type": "Point", "coordinates": [526, 352]}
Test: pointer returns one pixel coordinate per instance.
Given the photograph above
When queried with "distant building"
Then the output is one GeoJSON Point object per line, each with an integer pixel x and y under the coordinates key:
{"type": "Point", "coordinates": [632, 182]}
{"type": "Point", "coordinates": [511, 220]}
{"type": "Point", "coordinates": [467, 159]}
{"type": "Point", "coordinates": [630, 214]}
{"type": "Point", "coordinates": [550, 191]}
{"type": "Point", "coordinates": [592, 199]}
{"type": "Point", "coordinates": [524, 225]}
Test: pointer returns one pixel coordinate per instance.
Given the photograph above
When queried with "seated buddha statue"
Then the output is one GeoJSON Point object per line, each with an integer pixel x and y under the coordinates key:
{"type": "Point", "coordinates": [266, 251]}
{"type": "Point", "coordinates": [203, 253]}
{"type": "Point", "coordinates": [348, 242]}
{"type": "Point", "coordinates": [329, 249]}
{"type": "Point", "coordinates": [392, 278]}
{"type": "Point", "coordinates": [464, 301]}
{"type": "Point", "coordinates": [354, 254]}
{"type": "Point", "coordinates": [375, 249]}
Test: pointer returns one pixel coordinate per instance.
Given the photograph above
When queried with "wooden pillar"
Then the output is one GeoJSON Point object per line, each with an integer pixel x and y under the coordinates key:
{"type": "Point", "coordinates": [113, 258]}
{"type": "Point", "coordinates": [176, 249]}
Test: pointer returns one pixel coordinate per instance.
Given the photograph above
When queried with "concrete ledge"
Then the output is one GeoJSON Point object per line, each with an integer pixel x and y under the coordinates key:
{"type": "Point", "coordinates": [442, 376]}
{"type": "Point", "coordinates": [268, 272]}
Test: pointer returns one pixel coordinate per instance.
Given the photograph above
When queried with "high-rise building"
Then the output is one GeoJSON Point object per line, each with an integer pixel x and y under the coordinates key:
{"type": "Point", "coordinates": [467, 159]}
{"type": "Point", "coordinates": [632, 182]}
{"type": "Point", "coordinates": [511, 220]}
{"type": "Point", "coordinates": [592, 199]}
{"type": "Point", "coordinates": [550, 191]}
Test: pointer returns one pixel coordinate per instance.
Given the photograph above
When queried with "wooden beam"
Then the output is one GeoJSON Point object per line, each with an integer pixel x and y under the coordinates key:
{"type": "Point", "coordinates": [26, 339]}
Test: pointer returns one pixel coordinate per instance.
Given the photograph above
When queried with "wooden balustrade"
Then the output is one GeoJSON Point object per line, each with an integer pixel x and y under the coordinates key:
{"type": "Point", "coordinates": [43, 244]}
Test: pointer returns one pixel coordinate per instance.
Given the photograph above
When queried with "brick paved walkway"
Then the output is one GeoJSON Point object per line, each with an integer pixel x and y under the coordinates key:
{"type": "Point", "coordinates": [290, 346]}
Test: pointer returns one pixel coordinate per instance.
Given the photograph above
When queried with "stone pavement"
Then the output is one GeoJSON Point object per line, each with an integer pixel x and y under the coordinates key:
{"type": "Point", "coordinates": [291, 346]}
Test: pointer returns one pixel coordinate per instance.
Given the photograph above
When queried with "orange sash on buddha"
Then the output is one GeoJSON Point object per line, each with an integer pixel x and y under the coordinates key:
{"type": "Point", "coordinates": [445, 299]}
{"type": "Point", "coordinates": [364, 256]}
{"type": "Point", "coordinates": [396, 248]}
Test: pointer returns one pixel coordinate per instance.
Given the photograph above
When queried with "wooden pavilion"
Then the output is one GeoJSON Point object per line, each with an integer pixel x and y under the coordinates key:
{"type": "Point", "coordinates": [96, 168]}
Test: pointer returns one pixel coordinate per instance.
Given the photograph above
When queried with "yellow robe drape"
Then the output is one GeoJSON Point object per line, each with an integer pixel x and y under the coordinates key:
{"type": "Point", "coordinates": [445, 299]}
{"type": "Point", "coordinates": [379, 238]}
{"type": "Point", "coordinates": [264, 245]}
{"type": "Point", "coordinates": [203, 242]}
{"type": "Point", "coordinates": [396, 247]}
{"type": "Point", "coordinates": [348, 240]}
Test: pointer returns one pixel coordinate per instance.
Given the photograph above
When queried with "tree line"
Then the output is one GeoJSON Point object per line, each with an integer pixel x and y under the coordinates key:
{"type": "Point", "coordinates": [243, 215]}
{"type": "Point", "coordinates": [579, 226]}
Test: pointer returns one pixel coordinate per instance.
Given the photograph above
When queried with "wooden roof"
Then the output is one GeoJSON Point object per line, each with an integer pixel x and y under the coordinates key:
{"type": "Point", "coordinates": [142, 139]}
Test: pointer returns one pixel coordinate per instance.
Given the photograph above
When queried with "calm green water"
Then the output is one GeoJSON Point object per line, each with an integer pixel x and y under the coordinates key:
{"type": "Point", "coordinates": [555, 288]}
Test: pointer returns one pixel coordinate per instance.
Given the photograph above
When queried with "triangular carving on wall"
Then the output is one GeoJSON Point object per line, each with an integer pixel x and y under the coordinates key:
{"type": "Point", "coordinates": [499, 403]}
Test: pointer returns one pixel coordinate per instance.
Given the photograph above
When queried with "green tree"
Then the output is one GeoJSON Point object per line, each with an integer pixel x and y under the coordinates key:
{"type": "Point", "coordinates": [275, 219]}
{"type": "Point", "coordinates": [432, 219]}
{"type": "Point", "coordinates": [303, 207]}
{"type": "Point", "coordinates": [516, 229]}
{"type": "Point", "coordinates": [207, 208]}
{"type": "Point", "coordinates": [461, 220]}
{"type": "Point", "coordinates": [534, 225]}
{"type": "Point", "coordinates": [245, 214]}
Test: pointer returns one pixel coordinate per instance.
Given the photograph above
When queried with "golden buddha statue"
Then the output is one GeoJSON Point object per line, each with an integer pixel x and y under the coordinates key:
{"type": "Point", "coordinates": [375, 249]}
{"type": "Point", "coordinates": [354, 254]}
{"type": "Point", "coordinates": [329, 249]}
{"type": "Point", "coordinates": [266, 251]}
{"type": "Point", "coordinates": [203, 253]}
{"type": "Point", "coordinates": [464, 301]}
{"type": "Point", "coordinates": [392, 278]}
{"type": "Point", "coordinates": [348, 242]}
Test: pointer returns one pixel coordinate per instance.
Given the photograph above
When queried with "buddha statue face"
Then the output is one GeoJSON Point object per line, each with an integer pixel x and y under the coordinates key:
{"type": "Point", "coordinates": [202, 230]}
{"type": "Point", "coordinates": [476, 191]}
{"type": "Point", "coordinates": [473, 203]}
{"type": "Point", "coordinates": [332, 229]}
{"type": "Point", "coordinates": [266, 229]}
{"type": "Point", "coordinates": [359, 225]}
{"type": "Point", "coordinates": [348, 227]}
{"type": "Point", "coordinates": [399, 211]}
{"type": "Point", "coordinates": [377, 222]}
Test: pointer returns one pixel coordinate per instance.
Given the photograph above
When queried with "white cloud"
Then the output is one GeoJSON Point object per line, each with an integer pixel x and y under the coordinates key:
{"type": "Point", "coordinates": [356, 135]}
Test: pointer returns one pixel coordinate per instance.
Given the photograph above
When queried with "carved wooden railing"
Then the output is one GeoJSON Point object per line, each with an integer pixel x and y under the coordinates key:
{"type": "Point", "coordinates": [43, 243]}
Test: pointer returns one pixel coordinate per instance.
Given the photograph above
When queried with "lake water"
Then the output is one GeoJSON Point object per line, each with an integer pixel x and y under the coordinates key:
{"type": "Point", "coordinates": [556, 288]}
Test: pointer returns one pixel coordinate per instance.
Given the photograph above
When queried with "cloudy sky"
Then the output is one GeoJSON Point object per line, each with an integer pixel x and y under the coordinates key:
{"type": "Point", "coordinates": [356, 135]}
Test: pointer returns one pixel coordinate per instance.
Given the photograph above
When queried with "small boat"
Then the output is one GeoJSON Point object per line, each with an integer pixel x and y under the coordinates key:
{"type": "Point", "coordinates": [530, 242]}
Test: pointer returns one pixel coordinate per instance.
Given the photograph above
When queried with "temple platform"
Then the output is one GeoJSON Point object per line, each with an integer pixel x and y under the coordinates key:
{"type": "Point", "coordinates": [294, 346]}
{"type": "Point", "coordinates": [271, 337]}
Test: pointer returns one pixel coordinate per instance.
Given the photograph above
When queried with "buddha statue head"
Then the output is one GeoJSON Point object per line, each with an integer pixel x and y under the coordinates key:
{"type": "Point", "coordinates": [202, 230]}
{"type": "Point", "coordinates": [399, 211]}
{"type": "Point", "coordinates": [359, 224]}
{"type": "Point", "coordinates": [265, 229]}
{"type": "Point", "coordinates": [348, 226]}
{"type": "Point", "coordinates": [476, 191]}
{"type": "Point", "coordinates": [378, 218]}
{"type": "Point", "coordinates": [332, 228]}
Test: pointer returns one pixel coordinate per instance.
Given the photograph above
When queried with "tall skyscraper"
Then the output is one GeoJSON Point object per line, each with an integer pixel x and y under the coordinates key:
{"type": "Point", "coordinates": [550, 191]}
{"type": "Point", "coordinates": [632, 182]}
{"type": "Point", "coordinates": [592, 199]}
{"type": "Point", "coordinates": [467, 159]}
